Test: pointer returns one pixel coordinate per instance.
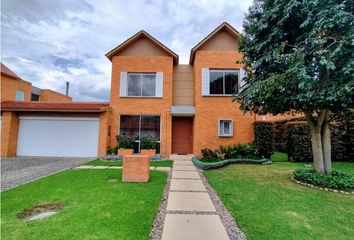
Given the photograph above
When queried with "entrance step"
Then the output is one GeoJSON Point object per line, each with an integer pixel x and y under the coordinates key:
{"type": "Point", "coordinates": [177, 157]}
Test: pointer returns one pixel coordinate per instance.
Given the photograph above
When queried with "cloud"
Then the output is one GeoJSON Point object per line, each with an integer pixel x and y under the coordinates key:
{"type": "Point", "coordinates": [52, 42]}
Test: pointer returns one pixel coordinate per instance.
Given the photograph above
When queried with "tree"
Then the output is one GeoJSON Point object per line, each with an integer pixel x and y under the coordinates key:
{"type": "Point", "coordinates": [299, 57]}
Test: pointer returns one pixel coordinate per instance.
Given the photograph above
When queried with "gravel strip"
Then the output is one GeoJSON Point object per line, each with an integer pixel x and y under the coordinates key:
{"type": "Point", "coordinates": [192, 212]}
{"type": "Point", "coordinates": [157, 226]}
{"type": "Point", "coordinates": [228, 221]}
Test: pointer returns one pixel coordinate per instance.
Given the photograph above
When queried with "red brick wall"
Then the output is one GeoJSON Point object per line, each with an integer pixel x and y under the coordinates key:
{"type": "Point", "coordinates": [9, 87]}
{"type": "Point", "coordinates": [147, 106]}
{"type": "Point", "coordinates": [48, 95]}
{"type": "Point", "coordinates": [210, 109]}
{"type": "Point", "coordinates": [9, 134]}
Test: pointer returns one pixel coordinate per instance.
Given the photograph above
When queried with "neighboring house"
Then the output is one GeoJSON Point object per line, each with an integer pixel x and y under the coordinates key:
{"type": "Point", "coordinates": [187, 107]}
{"type": "Point", "coordinates": [13, 88]}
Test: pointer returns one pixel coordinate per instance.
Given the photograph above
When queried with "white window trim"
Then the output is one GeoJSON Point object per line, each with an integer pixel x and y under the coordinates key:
{"type": "Point", "coordinates": [23, 95]}
{"type": "Point", "coordinates": [231, 128]}
{"type": "Point", "coordinates": [237, 71]}
{"type": "Point", "coordinates": [141, 91]}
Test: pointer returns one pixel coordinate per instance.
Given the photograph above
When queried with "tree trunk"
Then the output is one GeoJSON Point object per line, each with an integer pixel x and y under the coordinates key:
{"type": "Point", "coordinates": [326, 145]}
{"type": "Point", "coordinates": [320, 142]}
{"type": "Point", "coordinates": [317, 151]}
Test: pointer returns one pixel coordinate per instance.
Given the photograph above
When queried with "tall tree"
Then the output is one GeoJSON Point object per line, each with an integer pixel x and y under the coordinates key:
{"type": "Point", "coordinates": [299, 56]}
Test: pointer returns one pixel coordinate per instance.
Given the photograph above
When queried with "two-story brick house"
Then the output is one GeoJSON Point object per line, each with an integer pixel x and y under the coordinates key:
{"type": "Point", "coordinates": [188, 107]}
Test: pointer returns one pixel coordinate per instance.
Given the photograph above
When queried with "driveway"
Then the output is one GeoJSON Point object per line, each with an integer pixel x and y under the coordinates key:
{"type": "Point", "coordinates": [19, 170]}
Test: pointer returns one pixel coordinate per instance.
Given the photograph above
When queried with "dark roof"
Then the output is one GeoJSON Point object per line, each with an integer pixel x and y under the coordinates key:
{"type": "Point", "coordinates": [7, 72]}
{"type": "Point", "coordinates": [135, 37]}
{"type": "Point", "coordinates": [222, 26]}
{"type": "Point", "coordinates": [54, 107]}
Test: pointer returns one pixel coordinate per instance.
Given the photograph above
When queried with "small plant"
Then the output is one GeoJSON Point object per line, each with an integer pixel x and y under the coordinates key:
{"type": "Point", "coordinates": [208, 153]}
{"type": "Point", "coordinates": [338, 180]}
{"type": "Point", "coordinates": [125, 142]}
{"type": "Point", "coordinates": [220, 155]}
{"type": "Point", "coordinates": [148, 142]}
{"type": "Point", "coordinates": [112, 150]}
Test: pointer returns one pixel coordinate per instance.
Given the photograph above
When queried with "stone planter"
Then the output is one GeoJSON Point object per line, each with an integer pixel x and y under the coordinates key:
{"type": "Point", "coordinates": [136, 168]}
{"type": "Point", "coordinates": [123, 151]}
{"type": "Point", "coordinates": [148, 152]}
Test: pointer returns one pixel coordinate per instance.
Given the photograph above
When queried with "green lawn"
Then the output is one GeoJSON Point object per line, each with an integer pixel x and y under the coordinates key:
{"type": "Point", "coordinates": [97, 162]}
{"type": "Point", "coordinates": [95, 208]}
{"type": "Point", "coordinates": [268, 205]}
{"type": "Point", "coordinates": [279, 157]}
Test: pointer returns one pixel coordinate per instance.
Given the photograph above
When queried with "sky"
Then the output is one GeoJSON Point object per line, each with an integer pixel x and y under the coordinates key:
{"type": "Point", "coordinates": [50, 42]}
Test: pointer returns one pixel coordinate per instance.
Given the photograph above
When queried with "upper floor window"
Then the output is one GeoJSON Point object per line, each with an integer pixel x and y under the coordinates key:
{"type": "Point", "coordinates": [148, 85]}
{"type": "Point", "coordinates": [223, 82]}
{"type": "Point", "coordinates": [141, 84]}
{"type": "Point", "coordinates": [20, 95]}
{"type": "Point", "coordinates": [34, 97]}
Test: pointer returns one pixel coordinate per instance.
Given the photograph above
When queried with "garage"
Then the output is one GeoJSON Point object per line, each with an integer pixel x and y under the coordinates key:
{"type": "Point", "coordinates": [58, 136]}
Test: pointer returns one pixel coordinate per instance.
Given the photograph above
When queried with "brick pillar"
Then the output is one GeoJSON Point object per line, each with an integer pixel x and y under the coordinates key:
{"type": "Point", "coordinates": [103, 134]}
{"type": "Point", "coordinates": [9, 134]}
{"type": "Point", "coordinates": [136, 168]}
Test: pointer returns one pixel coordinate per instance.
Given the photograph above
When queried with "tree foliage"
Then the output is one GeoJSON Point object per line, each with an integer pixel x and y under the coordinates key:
{"type": "Point", "coordinates": [299, 55]}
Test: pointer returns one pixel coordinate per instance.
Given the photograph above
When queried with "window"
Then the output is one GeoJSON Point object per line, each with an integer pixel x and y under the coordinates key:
{"type": "Point", "coordinates": [223, 82]}
{"type": "Point", "coordinates": [20, 95]}
{"type": "Point", "coordinates": [34, 97]}
{"type": "Point", "coordinates": [142, 85]}
{"type": "Point", "coordinates": [225, 128]}
{"type": "Point", "coordinates": [139, 126]}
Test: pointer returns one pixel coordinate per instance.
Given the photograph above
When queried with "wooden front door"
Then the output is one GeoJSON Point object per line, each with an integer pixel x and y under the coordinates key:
{"type": "Point", "coordinates": [182, 135]}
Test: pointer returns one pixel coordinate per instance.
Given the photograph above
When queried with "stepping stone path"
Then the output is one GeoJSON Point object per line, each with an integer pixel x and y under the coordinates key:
{"type": "Point", "coordinates": [190, 212]}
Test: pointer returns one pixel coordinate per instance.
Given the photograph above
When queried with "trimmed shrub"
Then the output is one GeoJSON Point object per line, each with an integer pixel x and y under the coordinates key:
{"type": "Point", "coordinates": [338, 180]}
{"type": "Point", "coordinates": [148, 142]}
{"type": "Point", "coordinates": [298, 142]}
{"type": "Point", "coordinates": [263, 132]}
{"type": "Point", "coordinates": [213, 165]}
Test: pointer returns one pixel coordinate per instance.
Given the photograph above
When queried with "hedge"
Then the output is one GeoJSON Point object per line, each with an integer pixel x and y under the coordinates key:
{"type": "Point", "coordinates": [294, 139]}
{"type": "Point", "coordinates": [213, 165]}
{"type": "Point", "coordinates": [263, 132]}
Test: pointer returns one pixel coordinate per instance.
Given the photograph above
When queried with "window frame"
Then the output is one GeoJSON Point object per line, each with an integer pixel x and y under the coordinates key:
{"type": "Point", "coordinates": [23, 95]}
{"type": "Point", "coordinates": [138, 141]}
{"type": "Point", "coordinates": [141, 74]}
{"type": "Point", "coordinates": [231, 128]}
{"type": "Point", "coordinates": [237, 71]}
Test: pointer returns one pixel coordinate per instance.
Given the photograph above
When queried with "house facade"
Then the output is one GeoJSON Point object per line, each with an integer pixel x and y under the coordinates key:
{"type": "Point", "coordinates": [186, 107]}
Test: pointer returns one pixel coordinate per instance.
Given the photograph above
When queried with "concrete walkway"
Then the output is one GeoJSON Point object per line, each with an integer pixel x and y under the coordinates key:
{"type": "Point", "coordinates": [190, 213]}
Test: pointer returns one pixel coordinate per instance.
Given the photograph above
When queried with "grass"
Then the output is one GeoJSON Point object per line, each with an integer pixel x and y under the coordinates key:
{"type": "Point", "coordinates": [268, 205]}
{"type": "Point", "coordinates": [94, 208]}
{"type": "Point", "coordinates": [98, 162]}
{"type": "Point", "coordinates": [279, 157]}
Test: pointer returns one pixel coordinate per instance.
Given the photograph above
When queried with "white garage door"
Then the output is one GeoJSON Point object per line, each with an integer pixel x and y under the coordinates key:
{"type": "Point", "coordinates": [59, 137]}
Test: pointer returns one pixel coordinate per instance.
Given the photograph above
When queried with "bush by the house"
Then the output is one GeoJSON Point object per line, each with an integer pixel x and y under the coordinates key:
{"type": "Point", "coordinates": [263, 133]}
{"type": "Point", "coordinates": [298, 142]}
{"type": "Point", "coordinates": [148, 142]}
{"type": "Point", "coordinates": [338, 180]}
{"type": "Point", "coordinates": [126, 142]}
{"type": "Point", "coordinates": [237, 151]}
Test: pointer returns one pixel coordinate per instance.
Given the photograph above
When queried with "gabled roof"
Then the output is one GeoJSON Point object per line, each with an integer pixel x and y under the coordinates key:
{"type": "Point", "coordinates": [134, 38]}
{"type": "Point", "coordinates": [54, 107]}
{"type": "Point", "coordinates": [7, 72]}
{"type": "Point", "coordinates": [224, 26]}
